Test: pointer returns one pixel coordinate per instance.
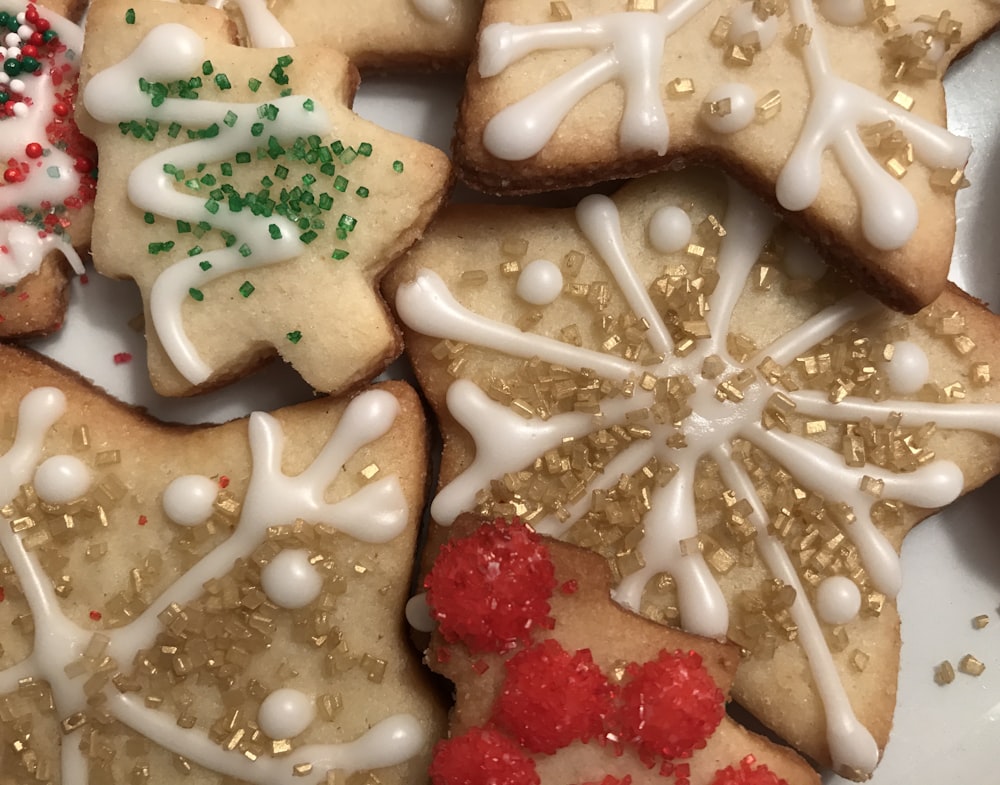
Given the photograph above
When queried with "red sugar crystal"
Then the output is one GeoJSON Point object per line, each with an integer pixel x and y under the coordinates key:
{"type": "Point", "coordinates": [481, 757]}
{"type": "Point", "coordinates": [670, 706]}
{"type": "Point", "coordinates": [747, 774]}
{"type": "Point", "coordinates": [609, 780]}
{"type": "Point", "coordinates": [551, 698]}
{"type": "Point", "coordinates": [492, 588]}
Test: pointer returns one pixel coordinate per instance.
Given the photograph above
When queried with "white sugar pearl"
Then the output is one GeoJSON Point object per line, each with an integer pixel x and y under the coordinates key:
{"type": "Point", "coordinates": [189, 500]}
{"type": "Point", "coordinates": [838, 600]}
{"type": "Point", "coordinates": [285, 713]}
{"type": "Point", "coordinates": [540, 282]}
{"type": "Point", "coordinates": [290, 581]}
{"type": "Point", "coordinates": [670, 229]}
{"type": "Point", "coordinates": [909, 369]}
{"type": "Point", "coordinates": [741, 107]}
{"type": "Point", "coordinates": [62, 479]}
{"type": "Point", "coordinates": [17, 85]}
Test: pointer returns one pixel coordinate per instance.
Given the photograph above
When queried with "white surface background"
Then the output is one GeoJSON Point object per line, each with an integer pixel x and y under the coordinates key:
{"type": "Point", "coordinates": [951, 562]}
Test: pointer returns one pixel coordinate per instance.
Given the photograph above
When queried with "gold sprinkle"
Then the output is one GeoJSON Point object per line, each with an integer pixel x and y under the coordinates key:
{"type": "Point", "coordinates": [872, 486]}
{"type": "Point", "coordinates": [74, 722]}
{"type": "Point", "coordinates": [515, 247]}
{"type": "Point", "coordinates": [980, 374]}
{"type": "Point", "coordinates": [720, 30]}
{"type": "Point", "coordinates": [374, 668]}
{"type": "Point", "coordinates": [302, 769]}
{"type": "Point", "coordinates": [949, 181]}
{"type": "Point", "coordinates": [81, 438]}
{"type": "Point", "coordinates": [643, 5]}
{"type": "Point", "coordinates": [281, 747]}
{"type": "Point", "coordinates": [559, 11]}
{"type": "Point", "coordinates": [474, 277]}
{"type": "Point", "coordinates": [979, 622]}
{"type": "Point", "coordinates": [680, 87]}
{"type": "Point", "coordinates": [859, 660]}
{"type": "Point", "coordinates": [360, 569]}
{"type": "Point", "coordinates": [901, 99]}
{"type": "Point", "coordinates": [971, 665]}
{"type": "Point", "coordinates": [802, 35]}
{"type": "Point", "coordinates": [815, 427]}
{"type": "Point", "coordinates": [108, 458]}
{"type": "Point", "coordinates": [740, 55]}
{"type": "Point", "coordinates": [963, 344]}
{"type": "Point", "coordinates": [895, 168]}
{"type": "Point", "coordinates": [370, 471]}
{"type": "Point", "coordinates": [944, 673]}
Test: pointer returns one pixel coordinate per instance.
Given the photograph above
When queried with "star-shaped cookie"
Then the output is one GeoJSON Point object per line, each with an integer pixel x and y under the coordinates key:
{"type": "Point", "coordinates": [219, 602]}
{"type": "Point", "coordinates": [833, 112]}
{"type": "Point", "coordinates": [254, 210]}
{"type": "Point", "coordinates": [556, 684]}
{"type": "Point", "coordinates": [673, 379]}
{"type": "Point", "coordinates": [47, 179]}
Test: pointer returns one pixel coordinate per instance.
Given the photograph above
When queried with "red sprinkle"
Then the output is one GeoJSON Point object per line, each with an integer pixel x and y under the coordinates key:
{"type": "Point", "coordinates": [95, 615]}
{"type": "Point", "coordinates": [551, 698]}
{"type": "Point", "coordinates": [143, 520]}
{"type": "Point", "coordinates": [747, 774]}
{"type": "Point", "coordinates": [60, 109]}
{"type": "Point", "coordinates": [84, 279]}
{"type": "Point", "coordinates": [609, 780]}
{"type": "Point", "coordinates": [3, 594]}
{"type": "Point", "coordinates": [492, 588]}
{"type": "Point", "coordinates": [223, 481]}
{"type": "Point", "coordinates": [570, 587]}
{"type": "Point", "coordinates": [670, 706]}
{"type": "Point", "coordinates": [33, 150]}
{"type": "Point", "coordinates": [13, 175]}
{"type": "Point", "coordinates": [481, 757]}
{"type": "Point", "coordinates": [122, 357]}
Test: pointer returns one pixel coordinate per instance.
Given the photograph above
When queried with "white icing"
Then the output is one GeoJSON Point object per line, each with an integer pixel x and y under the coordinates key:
{"type": "Point", "coordinates": [418, 613]}
{"type": "Point", "coordinates": [838, 600]}
{"type": "Point", "coordinates": [909, 369]}
{"type": "Point", "coordinates": [286, 713]}
{"type": "Point", "coordinates": [734, 107]}
{"type": "Point", "coordinates": [746, 25]}
{"type": "Point", "coordinates": [670, 229]}
{"type": "Point", "coordinates": [375, 514]}
{"type": "Point", "coordinates": [540, 282]}
{"type": "Point", "coordinates": [113, 95]}
{"type": "Point", "coordinates": [290, 581]}
{"type": "Point", "coordinates": [506, 442]}
{"type": "Point", "coordinates": [847, 13]}
{"type": "Point", "coordinates": [62, 479]}
{"type": "Point", "coordinates": [435, 10]}
{"type": "Point", "coordinates": [26, 250]}
{"type": "Point", "coordinates": [190, 500]}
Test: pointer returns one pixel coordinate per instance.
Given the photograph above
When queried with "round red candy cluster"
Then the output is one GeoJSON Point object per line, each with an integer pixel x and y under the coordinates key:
{"type": "Point", "coordinates": [481, 757]}
{"type": "Point", "coordinates": [490, 590]}
{"type": "Point", "coordinates": [747, 774]}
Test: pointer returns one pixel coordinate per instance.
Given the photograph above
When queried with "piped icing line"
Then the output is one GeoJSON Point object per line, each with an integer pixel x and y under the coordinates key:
{"type": "Point", "coordinates": [266, 32]}
{"type": "Point", "coordinates": [377, 513]}
{"type": "Point", "coordinates": [851, 744]}
{"type": "Point", "coordinates": [115, 95]}
{"type": "Point", "coordinates": [628, 47]}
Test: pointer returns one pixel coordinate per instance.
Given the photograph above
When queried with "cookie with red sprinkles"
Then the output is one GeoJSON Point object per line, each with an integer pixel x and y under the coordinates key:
{"type": "Point", "coordinates": [255, 211]}
{"type": "Point", "coordinates": [47, 167]}
{"type": "Point", "coordinates": [584, 691]}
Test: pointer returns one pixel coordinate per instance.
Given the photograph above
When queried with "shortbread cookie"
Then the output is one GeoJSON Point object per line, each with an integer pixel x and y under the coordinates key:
{"type": "Point", "coordinates": [255, 211]}
{"type": "Point", "coordinates": [47, 187]}
{"type": "Point", "coordinates": [382, 34]}
{"type": "Point", "coordinates": [674, 380]}
{"type": "Point", "coordinates": [217, 603]}
{"type": "Point", "coordinates": [563, 686]}
{"type": "Point", "coordinates": [832, 111]}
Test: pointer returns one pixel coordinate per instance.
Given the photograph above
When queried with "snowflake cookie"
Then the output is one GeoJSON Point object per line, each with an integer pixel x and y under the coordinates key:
{"type": "Point", "coordinates": [212, 604]}
{"type": "Point", "coordinates": [671, 378]}
{"type": "Point", "coordinates": [832, 110]}
{"type": "Point", "coordinates": [556, 684]}
{"type": "Point", "coordinates": [47, 186]}
{"type": "Point", "coordinates": [255, 211]}
{"type": "Point", "coordinates": [372, 33]}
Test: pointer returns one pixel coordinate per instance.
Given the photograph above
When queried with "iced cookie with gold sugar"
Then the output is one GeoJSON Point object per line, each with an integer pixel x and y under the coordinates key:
{"type": "Point", "coordinates": [212, 604]}
{"type": "Point", "coordinates": [833, 111]}
{"type": "Point", "coordinates": [557, 684]}
{"type": "Point", "coordinates": [673, 379]}
{"type": "Point", "coordinates": [47, 185]}
{"type": "Point", "coordinates": [255, 211]}
{"type": "Point", "coordinates": [374, 34]}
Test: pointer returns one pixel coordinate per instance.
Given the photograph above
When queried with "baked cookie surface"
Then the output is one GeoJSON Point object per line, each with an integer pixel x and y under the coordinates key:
{"type": "Point", "coordinates": [253, 209]}
{"type": "Point", "coordinates": [212, 603]}
{"type": "Point", "coordinates": [48, 180]}
{"type": "Point", "coordinates": [834, 114]}
{"type": "Point", "coordinates": [672, 379]}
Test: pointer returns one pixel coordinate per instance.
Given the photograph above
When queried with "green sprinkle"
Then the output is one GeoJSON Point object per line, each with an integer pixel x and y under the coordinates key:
{"type": "Point", "coordinates": [308, 237]}
{"type": "Point", "coordinates": [149, 218]}
{"type": "Point", "coordinates": [267, 111]}
{"type": "Point", "coordinates": [325, 201]}
{"type": "Point", "coordinates": [173, 130]}
{"type": "Point", "coordinates": [362, 192]}
{"type": "Point", "coordinates": [222, 82]}
{"type": "Point", "coordinates": [244, 157]}
{"type": "Point", "coordinates": [275, 231]}
{"type": "Point", "coordinates": [328, 169]}
{"type": "Point", "coordinates": [341, 233]}
{"type": "Point", "coordinates": [155, 248]}
{"type": "Point", "coordinates": [266, 181]}
{"type": "Point", "coordinates": [281, 172]}
{"type": "Point", "coordinates": [230, 119]}
{"type": "Point", "coordinates": [245, 250]}
{"type": "Point", "coordinates": [194, 185]}
{"type": "Point", "coordinates": [295, 336]}
{"type": "Point", "coordinates": [397, 167]}
{"type": "Point", "coordinates": [340, 184]}
{"type": "Point", "coordinates": [256, 129]}
{"type": "Point", "coordinates": [365, 149]}
{"type": "Point", "coordinates": [212, 206]}
{"type": "Point", "coordinates": [229, 239]}
{"type": "Point", "coordinates": [337, 147]}
{"type": "Point", "coordinates": [246, 288]}
{"type": "Point", "coordinates": [308, 105]}
{"type": "Point", "coordinates": [347, 222]}
{"type": "Point", "coordinates": [285, 60]}
{"type": "Point", "coordinates": [130, 16]}
{"type": "Point", "coordinates": [196, 294]}
{"type": "Point", "coordinates": [348, 155]}
{"type": "Point", "coordinates": [205, 265]}
{"type": "Point", "coordinates": [308, 179]}
{"type": "Point", "coordinates": [207, 67]}
{"type": "Point", "coordinates": [53, 171]}
{"type": "Point", "coordinates": [253, 84]}
{"type": "Point", "coordinates": [194, 251]}
{"type": "Point", "coordinates": [226, 168]}
{"type": "Point", "coordinates": [339, 254]}
{"type": "Point", "coordinates": [183, 227]}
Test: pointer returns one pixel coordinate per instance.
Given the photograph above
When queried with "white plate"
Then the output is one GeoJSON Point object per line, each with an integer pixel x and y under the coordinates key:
{"type": "Point", "coordinates": [951, 562]}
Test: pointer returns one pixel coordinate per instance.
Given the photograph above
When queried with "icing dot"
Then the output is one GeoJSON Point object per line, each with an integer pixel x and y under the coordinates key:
{"type": "Point", "coordinates": [729, 107]}
{"type": "Point", "coordinates": [670, 229]}
{"type": "Point", "coordinates": [540, 282]}
{"type": "Point", "coordinates": [189, 500]}
{"type": "Point", "coordinates": [482, 755]}
{"type": "Point", "coordinates": [62, 479]}
{"type": "Point", "coordinates": [745, 22]}
{"type": "Point", "coordinates": [908, 370]}
{"type": "Point", "coordinates": [802, 261]}
{"type": "Point", "coordinates": [418, 614]}
{"type": "Point", "coordinates": [838, 600]}
{"type": "Point", "coordinates": [285, 713]}
{"type": "Point", "coordinates": [290, 581]}
{"type": "Point", "coordinates": [844, 12]}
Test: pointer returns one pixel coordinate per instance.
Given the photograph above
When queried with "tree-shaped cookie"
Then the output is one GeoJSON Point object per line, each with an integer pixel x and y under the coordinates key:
{"type": "Point", "coordinates": [831, 110]}
{"type": "Point", "coordinates": [556, 684]}
{"type": "Point", "coordinates": [47, 181]}
{"type": "Point", "coordinates": [255, 211]}
{"type": "Point", "coordinates": [670, 378]}
{"type": "Point", "coordinates": [218, 604]}
{"type": "Point", "coordinates": [372, 33]}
